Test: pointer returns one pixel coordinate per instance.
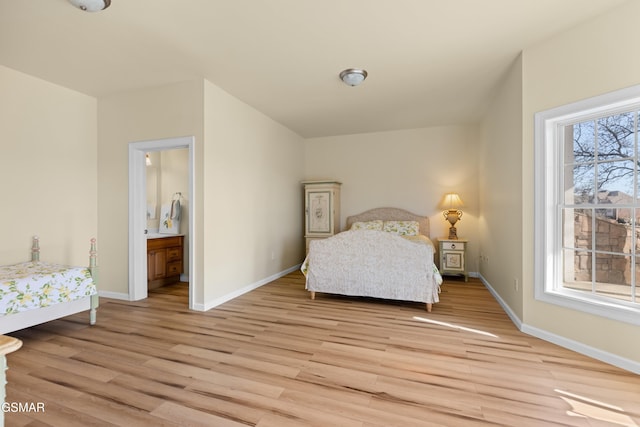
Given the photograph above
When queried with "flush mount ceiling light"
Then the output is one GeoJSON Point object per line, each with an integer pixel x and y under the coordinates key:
{"type": "Point", "coordinates": [91, 5]}
{"type": "Point", "coordinates": [353, 76]}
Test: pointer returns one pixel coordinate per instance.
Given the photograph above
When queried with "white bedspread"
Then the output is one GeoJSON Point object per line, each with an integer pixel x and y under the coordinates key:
{"type": "Point", "coordinates": [36, 284]}
{"type": "Point", "coordinates": [375, 264]}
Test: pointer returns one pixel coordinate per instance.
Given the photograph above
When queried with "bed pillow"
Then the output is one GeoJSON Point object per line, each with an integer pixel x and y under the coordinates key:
{"type": "Point", "coordinates": [367, 225]}
{"type": "Point", "coordinates": [403, 228]}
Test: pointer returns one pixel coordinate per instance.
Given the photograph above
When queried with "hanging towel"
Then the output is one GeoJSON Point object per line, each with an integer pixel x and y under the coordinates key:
{"type": "Point", "coordinates": [167, 224]}
{"type": "Point", "coordinates": [175, 209]}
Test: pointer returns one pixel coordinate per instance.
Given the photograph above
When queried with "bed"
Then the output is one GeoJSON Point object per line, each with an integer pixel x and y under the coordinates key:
{"type": "Point", "coordinates": [36, 292]}
{"type": "Point", "coordinates": [384, 253]}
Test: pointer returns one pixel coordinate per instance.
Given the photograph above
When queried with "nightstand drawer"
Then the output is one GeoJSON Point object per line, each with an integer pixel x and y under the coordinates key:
{"type": "Point", "coordinates": [453, 246]}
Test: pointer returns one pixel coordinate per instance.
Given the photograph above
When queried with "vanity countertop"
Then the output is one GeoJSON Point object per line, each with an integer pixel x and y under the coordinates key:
{"type": "Point", "coordinates": [160, 235]}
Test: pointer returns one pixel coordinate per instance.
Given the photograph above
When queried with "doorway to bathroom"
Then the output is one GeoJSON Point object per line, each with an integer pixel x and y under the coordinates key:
{"type": "Point", "coordinates": [161, 173]}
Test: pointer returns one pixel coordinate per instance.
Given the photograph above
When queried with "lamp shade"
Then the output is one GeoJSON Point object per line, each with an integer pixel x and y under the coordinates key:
{"type": "Point", "coordinates": [91, 5]}
{"type": "Point", "coordinates": [452, 201]}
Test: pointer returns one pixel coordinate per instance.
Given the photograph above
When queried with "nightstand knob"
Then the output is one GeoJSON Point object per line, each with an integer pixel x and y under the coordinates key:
{"type": "Point", "coordinates": [453, 246]}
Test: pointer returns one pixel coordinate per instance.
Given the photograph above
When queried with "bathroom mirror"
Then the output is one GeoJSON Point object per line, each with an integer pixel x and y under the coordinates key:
{"type": "Point", "coordinates": [153, 190]}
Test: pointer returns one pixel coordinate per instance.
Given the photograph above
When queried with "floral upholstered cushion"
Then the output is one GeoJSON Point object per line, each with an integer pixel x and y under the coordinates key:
{"type": "Point", "coordinates": [367, 225]}
{"type": "Point", "coordinates": [403, 228]}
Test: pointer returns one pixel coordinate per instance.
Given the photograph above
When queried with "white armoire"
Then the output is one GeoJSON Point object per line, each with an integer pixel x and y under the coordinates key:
{"type": "Point", "coordinates": [321, 209]}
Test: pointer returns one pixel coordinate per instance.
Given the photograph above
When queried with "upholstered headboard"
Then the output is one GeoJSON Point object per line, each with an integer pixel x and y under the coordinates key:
{"type": "Point", "coordinates": [390, 214]}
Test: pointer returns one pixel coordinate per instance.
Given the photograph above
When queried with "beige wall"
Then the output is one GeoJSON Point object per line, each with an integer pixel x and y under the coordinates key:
{"type": "Point", "coordinates": [47, 169]}
{"type": "Point", "coordinates": [247, 169]}
{"type": "Point", "coordinates": [594, 58]}
{"type": "Point", "coordinates": [253, 202]}
{"type": "Point", "coordinates": [410, 169]}
{"type": "Point", "coordinates": [149, 114]}
{"type": "Point", "coordinates": [500, 195]}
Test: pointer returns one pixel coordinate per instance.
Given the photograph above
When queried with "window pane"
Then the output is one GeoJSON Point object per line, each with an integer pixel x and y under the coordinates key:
{"type": "Point", "coordinates": [613, 276]}
{"type": "Point", "coordinates": [619, 217]}
{"type": "Point", "coordinates": [583, 189]}
{"type": "Point", "coordinates": [616, 177]}
{"type": "Point", "coordinates": [611, 235]}
{"type": "Point", "coordinates": [577, 226]}
{"type": "Point", "coordinates": [624, 216]}
{"type": "Point", "coordinates": [616, 136]}
{"type": "Point", "coordinates": [577, 270]}
{"type": "Point", "coordinates": [584, 142]}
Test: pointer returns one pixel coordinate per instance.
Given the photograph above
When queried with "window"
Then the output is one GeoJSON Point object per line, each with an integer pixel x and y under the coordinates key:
{"type": "Point", "coordinates": [587, 205]}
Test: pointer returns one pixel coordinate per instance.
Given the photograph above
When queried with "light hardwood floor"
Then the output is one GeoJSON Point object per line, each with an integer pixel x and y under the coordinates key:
{"type": "Point", "coordinates": [273, 357]}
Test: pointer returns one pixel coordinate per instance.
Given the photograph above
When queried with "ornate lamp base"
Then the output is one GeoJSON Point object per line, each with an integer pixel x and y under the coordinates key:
{"type": "Point", "coordinates": [453, 216]}
{"type": "Point", "coordinates": [453, 233]}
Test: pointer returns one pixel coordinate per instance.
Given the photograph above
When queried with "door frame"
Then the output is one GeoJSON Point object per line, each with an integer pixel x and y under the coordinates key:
{"type": "Point", "coordinates": [138, 212]}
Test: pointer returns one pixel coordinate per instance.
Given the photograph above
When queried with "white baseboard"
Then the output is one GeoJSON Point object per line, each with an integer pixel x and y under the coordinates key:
{"type": "Point", "coordinates": [578, 347]}
{"type": "Point", "coordinates": [512, 315]}
{"type": "Point", "coordinates": [586, 350]}
{"type": "Point", "coordinates": [221, 300]}
{"type": "Point", "coordinates": [211, 304]}
{"type": "Point", "coordinates": [114, 295]}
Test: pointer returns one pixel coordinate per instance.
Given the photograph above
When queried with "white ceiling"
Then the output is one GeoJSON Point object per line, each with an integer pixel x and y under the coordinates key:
{"type": "Point", "coordinates": [429, 62]}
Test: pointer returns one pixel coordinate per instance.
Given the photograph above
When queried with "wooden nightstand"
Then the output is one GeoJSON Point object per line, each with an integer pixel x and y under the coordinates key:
{"type": "Point", "coordinates": [452, 257]}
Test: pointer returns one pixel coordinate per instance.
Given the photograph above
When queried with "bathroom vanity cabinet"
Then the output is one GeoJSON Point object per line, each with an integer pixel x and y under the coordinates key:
{"type": "Point", "coordinates": [164, 260]}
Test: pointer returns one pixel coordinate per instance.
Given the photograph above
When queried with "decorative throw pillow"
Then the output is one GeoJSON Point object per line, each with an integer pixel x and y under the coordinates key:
{"type": "Point", "coordinates": [403, 228]}
{"type": "Point", "coordinates": [367, 225]}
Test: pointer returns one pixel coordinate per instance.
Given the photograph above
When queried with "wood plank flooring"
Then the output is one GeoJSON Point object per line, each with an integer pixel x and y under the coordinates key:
{"type": "Point", "coordinates": [273, 357]}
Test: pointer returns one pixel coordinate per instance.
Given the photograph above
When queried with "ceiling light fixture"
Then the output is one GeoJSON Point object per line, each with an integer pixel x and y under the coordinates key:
{"type": "Point", "coordinates": [353, 76]}
{"type": "Point", "coordinates": [91, 5]}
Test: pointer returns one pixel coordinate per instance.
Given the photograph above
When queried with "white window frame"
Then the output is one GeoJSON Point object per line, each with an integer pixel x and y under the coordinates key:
{"type": "Point", "coordinates": [549, 160]}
